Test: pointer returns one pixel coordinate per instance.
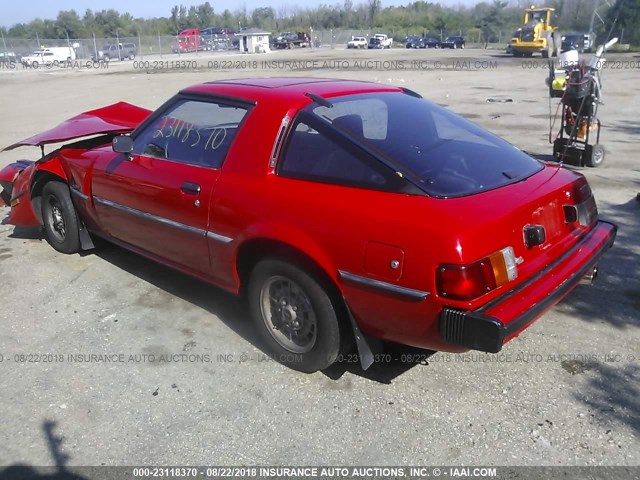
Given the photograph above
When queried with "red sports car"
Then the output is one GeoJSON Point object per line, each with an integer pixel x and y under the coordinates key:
{"type": "Point", "coordinates": [342, 210]}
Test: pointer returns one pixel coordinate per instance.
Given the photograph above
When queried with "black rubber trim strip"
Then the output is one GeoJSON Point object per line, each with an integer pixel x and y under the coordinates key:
{"type": "Point", "coordinates": [150, 216]}
{"type": "Point", "coordinates": [384, 286]}
{"type": "Point", "coordinates": [77, 192]}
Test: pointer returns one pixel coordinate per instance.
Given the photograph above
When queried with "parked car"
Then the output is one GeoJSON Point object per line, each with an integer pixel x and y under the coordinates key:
{"type": "Point", "coordinates": [357, 42]}
{"type": "Point", "coordinates": [385, 41]}
{"type": "Point", "coordinates": [333, 218]}
{"type": "Point", "coordinates": [453, 42]}
{"type": "Point", "coordinates": [582, 42]}
{"type": "Point", "coordinates": [410, 40]}
{"type": "Point", "coordinates": [9, 57]}
{"type": "Point", "coordinates": [49, 56]}
{"type": "Point", "coordinates": [292, 39]}
{"type": "Point", "coordinates": [430, 42]}
{"type": "Point", "coordinates": [112, 51]}
{"type": "Point", "coordinates": [427, 42]}
{"type": "Point", "coordinates": [375, 43]}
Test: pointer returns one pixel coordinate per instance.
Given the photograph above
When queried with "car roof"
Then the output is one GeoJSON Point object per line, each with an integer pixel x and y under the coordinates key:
{"type": "Point", "coordinates": [289, 88]}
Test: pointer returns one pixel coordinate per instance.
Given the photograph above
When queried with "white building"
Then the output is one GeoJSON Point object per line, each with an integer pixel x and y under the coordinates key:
{"type": "Point", "coordinates": [254, 40]}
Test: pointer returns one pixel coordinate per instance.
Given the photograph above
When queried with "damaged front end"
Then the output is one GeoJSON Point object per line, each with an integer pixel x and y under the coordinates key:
{"type": "Point", "coordinates": [15, 185]}
{"type": "Point", "coordinates": [7, 176]}
{"type": "Point", "coordinates": [18, 179]}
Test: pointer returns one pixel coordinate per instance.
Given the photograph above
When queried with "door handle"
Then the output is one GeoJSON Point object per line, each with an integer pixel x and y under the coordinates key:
{"type": "Point", "coordinates": [190, 188]}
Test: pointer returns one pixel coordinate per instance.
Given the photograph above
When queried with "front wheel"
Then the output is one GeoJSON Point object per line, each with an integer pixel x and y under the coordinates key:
{"type": "Point", "coordinates": [295, 316]}
{"type": "Point", "coordinates": [61, 224]}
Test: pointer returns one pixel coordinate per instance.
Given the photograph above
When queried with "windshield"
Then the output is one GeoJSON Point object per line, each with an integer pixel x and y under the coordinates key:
{"type": "Point", "coordinates": [444, 154]}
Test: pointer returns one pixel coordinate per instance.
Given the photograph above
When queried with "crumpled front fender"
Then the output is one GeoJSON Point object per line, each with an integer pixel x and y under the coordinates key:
{"type": "Point", "coordinates": [22, 213]}
{"type": "Point", "coordinates": [8, 176]}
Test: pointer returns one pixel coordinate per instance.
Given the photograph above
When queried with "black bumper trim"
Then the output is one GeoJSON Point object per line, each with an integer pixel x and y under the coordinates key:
{"type": "Point", "coordinates": [478, 331]}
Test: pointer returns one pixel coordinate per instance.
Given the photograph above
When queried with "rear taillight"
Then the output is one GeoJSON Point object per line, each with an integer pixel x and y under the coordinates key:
{"type": "Point", "coordinates": [466, 282]}
{"type": "Point", "coordinates": [585, 213]}
{"type": "Point", "coordinates": [584, 210]}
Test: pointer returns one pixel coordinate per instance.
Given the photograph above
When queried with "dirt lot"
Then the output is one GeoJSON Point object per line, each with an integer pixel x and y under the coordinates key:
{"type": "Point", "coordinates": [566, 392]}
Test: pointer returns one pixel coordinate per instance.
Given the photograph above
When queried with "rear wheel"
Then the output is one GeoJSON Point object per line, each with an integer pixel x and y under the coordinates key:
{"type": "Point", "coordinates": [61, 224]}
{"type": "Point", "coordinates": [294, 315]}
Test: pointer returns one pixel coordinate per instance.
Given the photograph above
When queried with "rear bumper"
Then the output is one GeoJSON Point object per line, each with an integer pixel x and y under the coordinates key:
{"type": "Point", "coordinates": [495, 323]}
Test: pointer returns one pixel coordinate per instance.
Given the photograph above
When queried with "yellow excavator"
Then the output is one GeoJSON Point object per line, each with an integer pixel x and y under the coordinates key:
{"type": "Point", "coordinates": [536, 34]}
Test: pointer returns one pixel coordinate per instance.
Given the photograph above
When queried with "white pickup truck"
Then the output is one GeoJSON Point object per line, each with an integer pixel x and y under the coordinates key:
{"type": "Point", "coordinates": [357, 42]}
{"type": "Point", "coordinates": [385, 41]}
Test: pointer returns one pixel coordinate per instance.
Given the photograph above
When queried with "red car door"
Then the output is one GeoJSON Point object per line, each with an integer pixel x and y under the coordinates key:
{"type": "Point", "coordinates": [158, 198]}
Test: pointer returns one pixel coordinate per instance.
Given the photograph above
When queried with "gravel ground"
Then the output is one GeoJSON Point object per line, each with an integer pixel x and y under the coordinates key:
{"type": "Point", "coordinates": [566, 392]}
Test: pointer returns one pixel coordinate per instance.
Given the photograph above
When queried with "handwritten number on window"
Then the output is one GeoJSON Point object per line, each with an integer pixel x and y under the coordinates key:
{"type": "Point", "coordinates": [187, 133]}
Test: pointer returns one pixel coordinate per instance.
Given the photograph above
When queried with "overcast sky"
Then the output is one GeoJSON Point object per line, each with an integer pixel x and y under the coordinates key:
{"type": "Point", "coordinates": [12, 12]}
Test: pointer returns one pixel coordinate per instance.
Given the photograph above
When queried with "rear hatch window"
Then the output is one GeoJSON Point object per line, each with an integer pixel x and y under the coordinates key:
{"type": "Point", "coordinates": [441, 152]}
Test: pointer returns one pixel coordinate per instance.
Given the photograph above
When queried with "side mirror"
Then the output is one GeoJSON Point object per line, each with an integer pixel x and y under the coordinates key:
{"type": "Point", "coordinates": [122, 144]}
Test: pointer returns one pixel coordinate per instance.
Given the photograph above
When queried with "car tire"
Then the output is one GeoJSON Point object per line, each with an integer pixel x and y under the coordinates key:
{"type": "Point", "coordinates": [462, 46]}
{"type": "Point", "coordinates": [132, 56]}
{"type": "Point", "coordinates": [310, 334]}
{"type": "Point", "coordinates": [56, 63]}
{"type": "Point", "coordinates": [593, 155]}
{"type": "Point", "coordinates": [61, 223]}
{"type": "Point", "coordinates": [455, 46]}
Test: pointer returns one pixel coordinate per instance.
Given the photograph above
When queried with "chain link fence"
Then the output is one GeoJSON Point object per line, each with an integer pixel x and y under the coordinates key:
{"type": "Point", "coordinates": [169, 46]}
{"type": "Point", "coordinates": [141, 46]}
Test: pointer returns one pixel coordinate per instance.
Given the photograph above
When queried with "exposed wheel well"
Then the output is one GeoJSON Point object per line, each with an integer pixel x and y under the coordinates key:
{"type": "Point", "coordinates": [39, 181]}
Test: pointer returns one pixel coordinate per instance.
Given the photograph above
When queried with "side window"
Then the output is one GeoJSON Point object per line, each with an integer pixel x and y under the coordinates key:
{"type": "Point", "coordinates": [191, 131]}
{"type": "Point", "coordinates": [314, 153]}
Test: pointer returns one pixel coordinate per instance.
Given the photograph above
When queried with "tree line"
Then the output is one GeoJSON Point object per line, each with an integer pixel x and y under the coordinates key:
{"type": "Point", "coordinates": [488, 20]}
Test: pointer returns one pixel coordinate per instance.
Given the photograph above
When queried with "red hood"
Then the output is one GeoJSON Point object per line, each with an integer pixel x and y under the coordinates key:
{"type": "Point", "coordinates": [120, 117]}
